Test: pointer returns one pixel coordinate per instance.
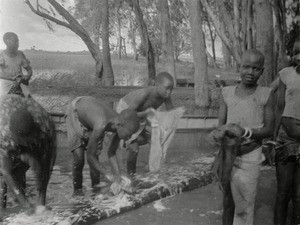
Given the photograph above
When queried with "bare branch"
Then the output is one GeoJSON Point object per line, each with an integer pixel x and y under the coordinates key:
{"type": "Point", "coordinates": [44, 15]}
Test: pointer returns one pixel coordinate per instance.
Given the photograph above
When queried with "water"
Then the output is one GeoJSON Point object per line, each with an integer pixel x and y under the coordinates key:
{"type": "Point", "coordinates": [60, 188]}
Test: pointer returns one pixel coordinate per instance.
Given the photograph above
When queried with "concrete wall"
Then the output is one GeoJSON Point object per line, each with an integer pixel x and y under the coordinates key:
{"type": "Point", "coordinates": [191, 133]}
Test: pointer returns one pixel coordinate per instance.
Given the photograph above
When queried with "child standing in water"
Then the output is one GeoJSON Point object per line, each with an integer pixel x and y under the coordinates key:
{"type": "Point", "coordinates": [11, 63]}
{"type": "Point", "coordinates": [251, 107]}
{"type": "Point", "coordinates": [288, 141]}
{"type": "Point", "coordinates": [142, 100]}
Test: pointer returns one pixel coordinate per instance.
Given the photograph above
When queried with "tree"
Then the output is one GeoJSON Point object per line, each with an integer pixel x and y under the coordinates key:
{"type": "Point", "coordinates": [224, 27]}
{"type": "Point", "coordinates": [167, 39]}
{"type": "Point", "coordinates": [280, 32]}
{"type": "Point", "coordinates": [265, 38]}
{"type": "Point", "coordinates": [134, 4]}
{"type": "Point", "coordinates": [108, 71]}
{"type": "Point", "coordinates": [132, 34]}
{"type": "Point", "coordinates": [71, 23]}
{"type": "Point", "coordinates": [199, 54]}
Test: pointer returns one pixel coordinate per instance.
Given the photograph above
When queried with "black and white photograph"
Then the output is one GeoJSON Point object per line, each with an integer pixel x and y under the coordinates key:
{"type": "Point", "coordinates": [150, 112]}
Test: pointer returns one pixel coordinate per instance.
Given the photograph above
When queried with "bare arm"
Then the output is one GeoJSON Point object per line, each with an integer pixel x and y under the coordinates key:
{"type": "Point", "coordinates": [269, 116]}
{"type": "Point", "coordinates": [279, 106]}
{"type": "Point", "coordinates": [27, 67]}
{"type": "Point", "coordinates": [222, 112]}
{"type": "Point", "coordinates": [92, 158]}
{"type": "Point", "coordinates": [112, 157]}
{"type": "Point", "coordinates": [29, 73]}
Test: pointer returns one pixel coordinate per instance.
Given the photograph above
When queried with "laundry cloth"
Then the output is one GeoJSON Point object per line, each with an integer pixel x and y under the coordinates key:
{"type": "Point", "coordinates": [163, 126]}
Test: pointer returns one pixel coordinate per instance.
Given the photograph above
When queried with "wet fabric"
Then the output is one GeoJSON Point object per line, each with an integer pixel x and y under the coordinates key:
{"type": "Point", "coordinates": [224, 161]}
{"type": "Point", "coordinates": [163, 126]}
{"type": "Point", "coordinates": [77, 134]}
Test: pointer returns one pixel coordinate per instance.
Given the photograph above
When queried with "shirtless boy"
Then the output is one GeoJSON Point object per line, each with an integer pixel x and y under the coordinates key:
{"type": "Point", "coordinates": [142, 100]}
{"type": "Point", "coordinates": [88, 119]}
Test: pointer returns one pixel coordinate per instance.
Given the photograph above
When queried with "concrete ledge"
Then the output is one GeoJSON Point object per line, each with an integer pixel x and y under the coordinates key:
{"type": "Point", "coordinates": [167, 183]}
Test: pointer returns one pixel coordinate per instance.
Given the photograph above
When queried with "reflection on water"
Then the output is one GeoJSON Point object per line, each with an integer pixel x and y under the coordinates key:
{"type": "Point", "coordinates": [181, 166]}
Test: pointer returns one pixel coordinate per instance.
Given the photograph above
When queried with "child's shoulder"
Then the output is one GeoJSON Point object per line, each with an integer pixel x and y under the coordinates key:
{"type": "Point", "coordinates": [227, 90]}
{"type": "Point", "coordinates": [288, 74]}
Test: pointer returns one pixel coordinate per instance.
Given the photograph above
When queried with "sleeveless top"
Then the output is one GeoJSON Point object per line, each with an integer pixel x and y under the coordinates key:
{"type": "Point", "coordinates": [246, 111]}
{"type": "Point", "coordinates": [291, 80]}
{"type": "Point", "coordinates": [12, 66]}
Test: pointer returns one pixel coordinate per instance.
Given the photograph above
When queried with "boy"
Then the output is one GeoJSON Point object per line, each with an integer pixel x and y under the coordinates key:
{"type": "Point", "coordinates": [87, 121]}
{"type": "Point", "coordinates": [11, 63]}
{"type": "Point", "coordinates": [251, 107]}
{"type": "Point", "coordinates": [288, 141]}
{"type": "Point", "coordinates": [27, 139]}
{"type": "Point", "coordinates": [142, 100]}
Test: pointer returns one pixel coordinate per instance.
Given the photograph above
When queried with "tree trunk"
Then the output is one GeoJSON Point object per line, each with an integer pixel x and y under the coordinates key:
{"type": "Point", "coordinates": [265, 38]}
{"type": "Point", "coordinates": [108, 79]}
{"type": "Point", "coordinates": [224, 27]}
{"type": "Point", "coordinates": [124, 47]}
{"type": "Point", "coordinates": [167, 39]}
{"type": "Point", "coordinates": [280, 34]}
{"type": "Point", "coordinates": [72, 24]}
{"type": "Point", "coordinates": [135, 5]}
{"type": "Point", "coordinates": [213, 39]}
{"type": "Point", "coordinates": [227, 58]}
{"type": "Point", "coordinates": [119, 36]}
{"type": "Point", "coordinates": [132, 29]}
{"type": "Point", "coordinates": [199, 55]}
{"type": "Point", "coordinates": [250, 41]}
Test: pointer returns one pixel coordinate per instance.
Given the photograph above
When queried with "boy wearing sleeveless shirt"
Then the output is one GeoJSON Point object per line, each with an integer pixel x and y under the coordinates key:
{"type": "Point", "coordinates": [251, 107]}
{"type": "Point", "coordinates": [288, 141]}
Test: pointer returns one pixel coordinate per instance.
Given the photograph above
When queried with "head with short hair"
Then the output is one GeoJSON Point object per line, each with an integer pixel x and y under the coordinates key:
{"type": "Point", "coordinates": [128, 123]}
{"type": "Point", "coordinates": [164, 83]}
{"type": "Point", "coordinates": [252, 66]}
{"type": "Point", "coordinates": [11, 40]}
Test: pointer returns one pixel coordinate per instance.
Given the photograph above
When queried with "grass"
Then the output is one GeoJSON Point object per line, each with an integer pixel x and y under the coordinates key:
{"type": "Point", "coordinates": [79, 69]}
{"type": "Point", "coordinates": [73, 69]}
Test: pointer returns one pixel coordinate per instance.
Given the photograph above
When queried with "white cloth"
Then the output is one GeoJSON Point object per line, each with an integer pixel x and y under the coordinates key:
{"type": "Point", "coordinates": [5, 86]}
{"type": "Point", "coordinates": [245, 174]}
{"type": "Point", "coordinates": [163, 126]}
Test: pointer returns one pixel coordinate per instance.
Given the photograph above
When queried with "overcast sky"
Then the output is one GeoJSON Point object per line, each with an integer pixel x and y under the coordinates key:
{"type": "Point", "coordinates": [16, 16]}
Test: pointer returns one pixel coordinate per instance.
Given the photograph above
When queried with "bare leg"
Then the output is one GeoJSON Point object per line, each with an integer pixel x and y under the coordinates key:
{"type": "Point", "coordinates": [132, 154]}
{"type": "Point", "coordinates": [78, 163]}
{"type": "Point", "coordinates": [296, 197]}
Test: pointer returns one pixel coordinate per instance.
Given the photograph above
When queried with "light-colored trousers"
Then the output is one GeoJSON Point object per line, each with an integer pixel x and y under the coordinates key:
{"type": "Point", "coordinates": [245, 174]}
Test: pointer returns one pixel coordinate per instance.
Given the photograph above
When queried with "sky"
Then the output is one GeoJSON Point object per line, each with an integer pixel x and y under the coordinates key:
{"type": "Point", "coordinates": [15, 16]}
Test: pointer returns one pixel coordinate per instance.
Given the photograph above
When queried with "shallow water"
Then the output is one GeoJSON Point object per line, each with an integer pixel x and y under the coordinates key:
{"type": "Point", "coordinates": [59, 193]}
